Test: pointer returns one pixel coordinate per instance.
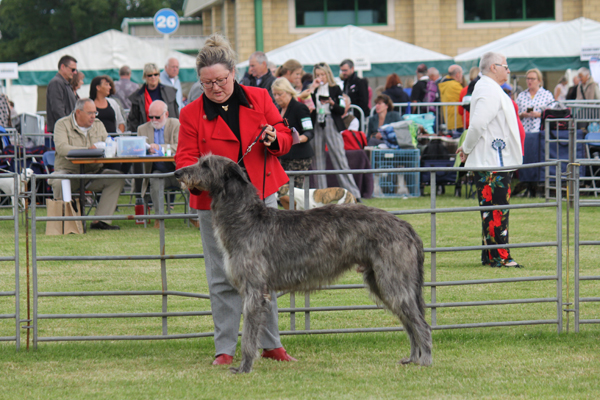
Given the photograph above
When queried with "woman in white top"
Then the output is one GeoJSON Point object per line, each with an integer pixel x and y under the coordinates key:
{"type": "Point", "coordinates": [493, 140]}
{"type": "Point", "coordinates": [560, 91]}
{"type": "Point", "coordinates": [532, 101]}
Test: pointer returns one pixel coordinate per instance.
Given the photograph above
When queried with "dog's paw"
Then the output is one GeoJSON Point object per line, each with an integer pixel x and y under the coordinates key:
{"type": "Point", "coordinates": [238, 370]}
{"type": "Point", "coordinates": [406, 361]}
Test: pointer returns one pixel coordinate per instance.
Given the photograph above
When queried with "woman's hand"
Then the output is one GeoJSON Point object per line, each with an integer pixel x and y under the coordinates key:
{"type": "Point", "coordinates": [303, 138]}
{"type": "Point", "coordinates": [461, 154]}
{"type": "Point", "coordinates": [269, 135]}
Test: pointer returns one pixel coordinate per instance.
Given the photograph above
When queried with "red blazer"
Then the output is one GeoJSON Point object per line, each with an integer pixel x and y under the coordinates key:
{"type": "Point", "coordinates": [199, 136]}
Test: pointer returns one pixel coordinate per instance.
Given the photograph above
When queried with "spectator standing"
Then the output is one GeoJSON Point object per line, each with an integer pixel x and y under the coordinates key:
{"type": "Point", "coordinates": [419, 89]}
{"type": "Point", "coordinates": [533, 100]}
{"type": "Point", "coordinates": [354, 86]}
{"type": "Point", "coordinates": [450, 87]}
{"type": "Point", "coordinates": [572, 92]}
{"type": "Point", "coordinates": [124, 87]}
{"type": "Point", "coordinates": [170, 77]}
{"type": "Point", "coordinates": [560, 91]}
{"type": "Point", "coordinates": [81, 130]}
{"type": "Point", "coordinates": [77, 82]}
{"type": "Point", "coordinates": [195, 92]}
{"type": "Point", "coordinates": [259, 74]}
{"type": "Point", "coordinates": [298, 116]}
{"type": "Point", "coordinates": [384, 114]}
{"type": "Point", "coordinates": [5, 117]}
{"type": "Point", "coordinates": [109, 111]}
{"type": "Point", "coordinates": [292, 71]}
{"type": "Point", "coordinates": [328, 123]}
{"type": "Point", "coordinates": [395, 91]}
{"type": "Point", "coordinates": [150, 91]}
{"type": "Point", "coordinates": [434, 75]}
{"type": "Point", "coordinates": [60, 98]}
{"type": "Point", "coordinates": [468, 90]}
{"type": "Point", "coordinates": [494, 131]}
{"type": "Point", "coordinates": [587, 88]}
{"type": "Point", "coordinates": [238, 113]}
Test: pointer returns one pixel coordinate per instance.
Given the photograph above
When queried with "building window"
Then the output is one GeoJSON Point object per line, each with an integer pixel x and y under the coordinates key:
{"type": "Point", "coordinates": [508, 10]}
{"type": "Point", "coordinates": [317, 13]}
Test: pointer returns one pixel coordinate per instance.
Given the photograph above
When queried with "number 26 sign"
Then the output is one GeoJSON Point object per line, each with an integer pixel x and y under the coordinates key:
{"type": "Point", "coordinates": [166, 21]}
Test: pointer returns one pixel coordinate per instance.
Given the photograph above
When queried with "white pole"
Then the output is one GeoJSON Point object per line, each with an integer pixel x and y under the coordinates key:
{"type": "Point", "coordinates": [166, 46]}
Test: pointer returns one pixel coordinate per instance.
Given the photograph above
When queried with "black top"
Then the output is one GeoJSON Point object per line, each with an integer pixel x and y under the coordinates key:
{"type": "Point", "coordinates": [155, 93]}
{"type": "Point", "coordinates": [298, 117]}
{"type": "Point", "coordinates": [398, 95]}
{"type": "Point", "coordinates": [108, 118]}
{"type": "Point", "coordinates": [418, 91]}
{"type": "Point", "coordinates": [358, 90]}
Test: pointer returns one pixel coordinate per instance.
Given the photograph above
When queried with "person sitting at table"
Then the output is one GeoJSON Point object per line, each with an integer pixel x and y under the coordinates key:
{"type": "Point", "coordinates": [160, 131]}
{"type": "Point", "coordinates": [81, 130]}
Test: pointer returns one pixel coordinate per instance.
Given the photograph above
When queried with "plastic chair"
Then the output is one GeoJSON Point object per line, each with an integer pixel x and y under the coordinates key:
{"type": "Point", "coordinates": [596, 175]}
{"type": "Point", "coordinates": [48, 159]}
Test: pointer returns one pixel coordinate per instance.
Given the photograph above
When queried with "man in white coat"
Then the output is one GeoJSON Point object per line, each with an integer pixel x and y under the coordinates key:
{"type": "Point", "coordinates": [493, 141]}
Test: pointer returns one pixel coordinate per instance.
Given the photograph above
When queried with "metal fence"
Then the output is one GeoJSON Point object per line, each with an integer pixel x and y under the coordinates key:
{"type": "Point", "coordinates": [579, 244]}
{"type": "Point", "coordinates": [13, 258]}
{"type": "Point", "coordinates": [37, 261]}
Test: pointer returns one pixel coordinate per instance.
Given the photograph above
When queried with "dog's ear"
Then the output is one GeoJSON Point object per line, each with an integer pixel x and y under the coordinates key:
{"type": "Point", "coordinates": [234, 171]}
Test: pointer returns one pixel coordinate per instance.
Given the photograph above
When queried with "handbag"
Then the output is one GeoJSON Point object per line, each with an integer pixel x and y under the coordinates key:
{"type": "Point", "coordinates": [556, 113]}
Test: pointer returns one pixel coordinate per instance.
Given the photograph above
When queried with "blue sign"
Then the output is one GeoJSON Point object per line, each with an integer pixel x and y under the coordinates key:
{"type": "Point", "coordinates": [166, 21]}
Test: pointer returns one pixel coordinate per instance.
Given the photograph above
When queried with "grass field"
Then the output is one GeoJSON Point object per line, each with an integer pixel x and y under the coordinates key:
{"type": "Point", "coordinates": [501, 362]}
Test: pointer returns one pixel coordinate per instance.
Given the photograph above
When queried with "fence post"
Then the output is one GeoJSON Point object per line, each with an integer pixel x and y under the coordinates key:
{"type": "Point", "coordinates": [17, 185]}
{"type": "Point", "coordinates": [576, 252]}
{"type": "Point", "coordinates": [433, 186]}
{"type": "Point", "coordinates": [159, 211]}
{"type": "Point", "coordinates": [34, 264]}
{"type": "Point", "coordinates": [559, 304]}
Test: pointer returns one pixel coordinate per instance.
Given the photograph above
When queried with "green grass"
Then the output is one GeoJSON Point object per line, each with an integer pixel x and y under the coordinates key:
{"type": "Point", "coordinates": [503, 362]}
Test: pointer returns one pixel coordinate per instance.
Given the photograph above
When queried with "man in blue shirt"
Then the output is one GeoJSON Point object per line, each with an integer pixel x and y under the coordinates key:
{"type": "Point", "coordinates": [161, 132]}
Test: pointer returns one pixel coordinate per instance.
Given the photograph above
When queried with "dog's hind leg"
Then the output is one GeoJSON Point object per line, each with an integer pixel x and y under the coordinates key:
{"type": "Point", "coordinates": [256, 307]}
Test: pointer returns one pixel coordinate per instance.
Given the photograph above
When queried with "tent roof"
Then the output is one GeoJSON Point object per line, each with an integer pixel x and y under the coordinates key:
{"type": "Point", "coordinates": [549, 46]}
{"type": "Point", "coordinates": [102, 54]}
{"type": "Point", "coordinates": [334, 45]}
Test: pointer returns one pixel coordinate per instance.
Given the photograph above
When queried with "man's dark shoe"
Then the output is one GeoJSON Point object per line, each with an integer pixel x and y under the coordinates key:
{"type": "Point", "coordinates": [104, 226]}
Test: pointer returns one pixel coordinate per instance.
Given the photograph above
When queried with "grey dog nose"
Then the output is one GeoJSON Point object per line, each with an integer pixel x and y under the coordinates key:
{"type": "Point", "coordinates": [178, 174]}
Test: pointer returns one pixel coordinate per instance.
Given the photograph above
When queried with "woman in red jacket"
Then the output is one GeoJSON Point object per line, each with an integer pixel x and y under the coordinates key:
{"type": "Point", "coordinates": [225, 121]}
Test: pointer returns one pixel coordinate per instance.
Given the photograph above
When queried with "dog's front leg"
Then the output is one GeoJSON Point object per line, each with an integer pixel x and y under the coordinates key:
{"type": "Point", "coordinates": [255, 317]}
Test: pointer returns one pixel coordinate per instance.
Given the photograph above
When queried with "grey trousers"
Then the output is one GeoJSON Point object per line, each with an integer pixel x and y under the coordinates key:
{"type": "Point", "coordinates": [225, 301]}
{"type": "Point", "coordinates": [110, 188]}
{"type": "Point", "coordinates": [335, 144]}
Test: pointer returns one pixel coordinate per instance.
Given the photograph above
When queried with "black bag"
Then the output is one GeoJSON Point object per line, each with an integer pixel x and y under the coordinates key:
{"type": "Point", "coordinates": [553, 113]}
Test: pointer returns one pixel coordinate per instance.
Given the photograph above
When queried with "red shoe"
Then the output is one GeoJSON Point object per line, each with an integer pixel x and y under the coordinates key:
{"type": "Point", "coordinates": [278, 354]}
{"type": "Point", "coordinates": [223, 359]}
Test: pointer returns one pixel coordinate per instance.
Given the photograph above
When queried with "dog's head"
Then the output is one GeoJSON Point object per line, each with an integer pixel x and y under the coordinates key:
{"type": "Point", "coordinates": [26, 175]}
{"type": "Point", "coordinates": [210, 173]}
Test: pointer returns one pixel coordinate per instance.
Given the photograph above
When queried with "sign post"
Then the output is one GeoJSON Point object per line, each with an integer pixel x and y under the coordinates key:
{"type": "Point", "coordinates": [166, 21]}
{"type": "Point", "coordinates": [9, 71]}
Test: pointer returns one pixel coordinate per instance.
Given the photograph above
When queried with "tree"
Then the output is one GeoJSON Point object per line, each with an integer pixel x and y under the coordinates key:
{"type": "Point", "coordinates": [32, 28]}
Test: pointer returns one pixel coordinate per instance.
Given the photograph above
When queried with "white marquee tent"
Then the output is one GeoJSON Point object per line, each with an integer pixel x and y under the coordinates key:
{"type": "Point", "coordinates": [549, 46]}
{"type": "Point", "coordinates": [102, 54]}
{"type": "Point", "coordinates": [385, 54]}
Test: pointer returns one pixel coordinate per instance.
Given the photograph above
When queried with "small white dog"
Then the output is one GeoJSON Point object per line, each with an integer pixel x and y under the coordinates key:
{"type": "Point", "coordinates": [318, 198]}
{"type": "Point", "coordinates": [7, 185]}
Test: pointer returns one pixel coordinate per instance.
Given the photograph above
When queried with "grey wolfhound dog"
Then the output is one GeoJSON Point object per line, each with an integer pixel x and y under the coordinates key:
{"type": "Point", "coordinates": [266, 250]}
